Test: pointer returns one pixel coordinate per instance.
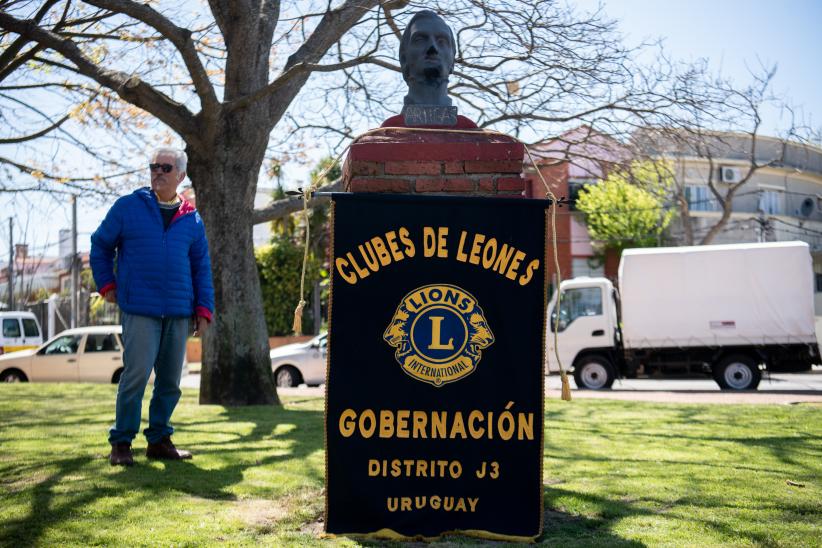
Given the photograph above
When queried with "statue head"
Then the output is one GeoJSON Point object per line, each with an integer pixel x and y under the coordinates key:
{"type": "Point", "coordinates": [427, 50]}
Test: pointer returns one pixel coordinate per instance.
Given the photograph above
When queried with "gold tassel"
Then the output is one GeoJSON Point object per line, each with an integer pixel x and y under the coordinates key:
{"type": "Point", "coordinates": [566, 388]}
{"type": "Point", "coordinates": [298, 318]}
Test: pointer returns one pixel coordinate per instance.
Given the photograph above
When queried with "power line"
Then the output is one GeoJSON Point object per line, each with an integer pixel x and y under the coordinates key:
{"type": "Point", "coordinates": [804, 229]}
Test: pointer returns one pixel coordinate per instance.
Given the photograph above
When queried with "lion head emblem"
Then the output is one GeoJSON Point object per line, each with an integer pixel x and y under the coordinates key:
{"type": "Point", "coordinates": [438, 333]}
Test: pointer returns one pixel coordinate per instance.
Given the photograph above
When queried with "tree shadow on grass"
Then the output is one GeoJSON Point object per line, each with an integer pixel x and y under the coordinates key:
{"type": "Point", "coordinates": [50, 504]}
{"type": "Point", "coordinates": [610, 512]}
{"type": "Point", "coordinates": [241, 451]}
{"type": "Point", "coordinates": [44, 511]}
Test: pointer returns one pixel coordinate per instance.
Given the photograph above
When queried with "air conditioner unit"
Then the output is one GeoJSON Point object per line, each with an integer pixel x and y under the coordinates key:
{"type": "Point", "coordinates": [807, 207]}
{"type": "Point", "coordinates": [729, 174]}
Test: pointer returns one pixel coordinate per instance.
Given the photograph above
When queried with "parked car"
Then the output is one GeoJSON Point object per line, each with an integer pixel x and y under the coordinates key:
{"type": "Point", "coordinates": [295, 364]}
{"type": "Point", "coordinates": [82, 354]}
{"type": "Point", "coordinates": [19, 331]}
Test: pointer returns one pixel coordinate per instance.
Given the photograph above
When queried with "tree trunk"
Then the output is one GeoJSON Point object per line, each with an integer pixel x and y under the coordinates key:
{"type": "Point", "coordinates": [720, 224]}
{"type": "Point", "coordinates": [685, 218]}
{"type": "Point", "coordinates": [236, 366]}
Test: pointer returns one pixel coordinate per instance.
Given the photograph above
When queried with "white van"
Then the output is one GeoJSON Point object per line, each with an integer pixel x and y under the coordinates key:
{"type": "Point", "coordinates": [19, 331]}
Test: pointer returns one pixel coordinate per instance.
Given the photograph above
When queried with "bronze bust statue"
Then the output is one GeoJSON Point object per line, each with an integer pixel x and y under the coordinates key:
{"type": "Point", "coordinates": [427, 50]}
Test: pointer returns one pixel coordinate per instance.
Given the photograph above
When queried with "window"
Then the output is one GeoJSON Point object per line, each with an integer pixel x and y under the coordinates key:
{"type": "Point", "coordinates": [102, 342]}
{"type": "Point", "coordinates": [818, 282]}
{"type": "Point", "coordinates": [581, 266]}
{"type": "Point", "coordinates": [576, 303]}
{"type": "Point", "coordinates": [67, 344]}
{"type": "Point", "coordinates": [574, 186]}
{"type": "Point", "coordinates": [30, 328]}
{"type": "Point", "coordinates": [700, 198]}
{"type": "Point", "coordinates": [772, 202]}
{"type": "Point", "coordinates": [11, 328]}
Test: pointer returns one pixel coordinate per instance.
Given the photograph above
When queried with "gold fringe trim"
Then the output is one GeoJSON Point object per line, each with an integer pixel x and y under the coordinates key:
{"type": "Point", "coordinates": [390, 534]}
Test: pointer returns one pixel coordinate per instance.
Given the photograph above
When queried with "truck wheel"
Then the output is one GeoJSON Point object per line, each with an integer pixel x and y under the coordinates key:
{"type": "Point", "coordinates": [737, 373]}
{"type": "Point", "coordinates": [594, 373]}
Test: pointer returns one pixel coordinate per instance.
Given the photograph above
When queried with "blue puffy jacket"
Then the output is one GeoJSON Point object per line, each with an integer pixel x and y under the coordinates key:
{"type": "Point", "coordinates": [160, 272]}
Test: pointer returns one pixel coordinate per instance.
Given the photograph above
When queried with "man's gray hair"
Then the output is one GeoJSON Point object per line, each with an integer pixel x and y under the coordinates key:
{"type": "Point", "coordinates": [180, 157]}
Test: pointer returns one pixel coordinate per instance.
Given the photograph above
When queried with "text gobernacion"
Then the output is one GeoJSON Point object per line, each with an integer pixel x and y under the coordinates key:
{"type": "Point", "coordinates": [416, 424]}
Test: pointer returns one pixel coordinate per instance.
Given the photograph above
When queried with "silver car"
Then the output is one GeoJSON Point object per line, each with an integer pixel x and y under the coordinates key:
{"type": "Point", "coordinates": [300, 363]}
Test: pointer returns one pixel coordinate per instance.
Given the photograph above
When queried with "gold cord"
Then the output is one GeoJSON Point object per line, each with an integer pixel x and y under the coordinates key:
{"type": "Point", "coordinates": [298, 312]}
{"type": "Point", "coordinates": [566, 387]}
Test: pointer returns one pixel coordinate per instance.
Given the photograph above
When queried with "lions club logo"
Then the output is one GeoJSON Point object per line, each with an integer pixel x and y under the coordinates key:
{"type": "Point", "coordinates": [439, 332]}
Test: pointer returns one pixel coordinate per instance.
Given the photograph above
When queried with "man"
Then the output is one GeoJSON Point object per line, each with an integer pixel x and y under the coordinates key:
{"type": "Point", "coordinates": [163, 279]}
{"type": "Point", "coordinates": [427, 50]}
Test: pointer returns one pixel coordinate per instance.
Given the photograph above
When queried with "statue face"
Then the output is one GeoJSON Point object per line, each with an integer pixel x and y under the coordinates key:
{"type": "Point", "coordinates": [429, 55]}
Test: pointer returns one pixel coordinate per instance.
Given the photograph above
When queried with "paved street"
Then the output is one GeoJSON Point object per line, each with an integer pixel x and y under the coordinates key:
{"type": "Point", "coordinates": [777, 389]}
{"type": "Point", "coordinates": [778, 382]}
{"type": "Point", "coordinates": [780, 388]}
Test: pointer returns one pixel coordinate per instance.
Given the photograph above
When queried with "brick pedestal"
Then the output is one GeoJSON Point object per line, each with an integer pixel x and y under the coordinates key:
{"type": "Point", "coordinates": [435, 162]}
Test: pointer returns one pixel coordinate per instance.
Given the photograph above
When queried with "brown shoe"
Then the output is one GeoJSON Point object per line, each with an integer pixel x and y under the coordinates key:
{"type": "Point", "coordinates": [165, 450]}
{"type": "Point", "coordinates": [121, 455]}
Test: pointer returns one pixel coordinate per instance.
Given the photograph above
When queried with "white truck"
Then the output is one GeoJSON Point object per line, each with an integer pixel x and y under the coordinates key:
{"type": "Point", "coordinates": [728, 311]}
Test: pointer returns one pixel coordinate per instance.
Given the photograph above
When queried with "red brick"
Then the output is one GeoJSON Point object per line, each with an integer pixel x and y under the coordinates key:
{"type": "Point", "coordinates": [510, 195]}
{"type": "Point", "coordinates": [365, 168]}
{"type": "Point", "coordinates": [412, 168]}
{"type": "Point", "coordinates": [376, 184]}
{"type": "Point", "coordinates": [510, 183]}
{"type": "Point", "coordinates": [486, 166]}
{"type": "Point", "coordinates": [486, 184]}
{"type": "Point", "coordinates": [459, 185]}
{"type": "Point", "coordinates": [454, 167]}
{"type": "Point", "coordinates": [430, 185]}
{"type": "Point", "coordinates": [396, 145]}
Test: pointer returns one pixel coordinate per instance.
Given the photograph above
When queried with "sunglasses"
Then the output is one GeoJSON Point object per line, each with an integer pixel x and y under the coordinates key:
{"type": "Point", "coordinates": [165, 167]}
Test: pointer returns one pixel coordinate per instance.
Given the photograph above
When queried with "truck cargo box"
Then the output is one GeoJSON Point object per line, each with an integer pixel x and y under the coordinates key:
{"type": "Point", "coordinates": [719, 295]}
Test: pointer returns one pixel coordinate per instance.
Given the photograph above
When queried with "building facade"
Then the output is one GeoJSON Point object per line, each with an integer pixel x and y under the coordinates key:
{"type": "Point", "coordinates": [567, 164]}
{"type": "Point", "coordinates": [779, 194]}
{"type": "Point", "coordinates": [779, 200]}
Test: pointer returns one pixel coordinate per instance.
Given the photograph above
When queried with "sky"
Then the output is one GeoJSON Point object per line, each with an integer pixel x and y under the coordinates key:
{"type": "Point", "coordinates": [734, 35]}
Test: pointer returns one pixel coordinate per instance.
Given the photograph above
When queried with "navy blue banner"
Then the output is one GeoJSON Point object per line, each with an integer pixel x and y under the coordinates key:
{"type": "Point", "coordinates": [434, 411]}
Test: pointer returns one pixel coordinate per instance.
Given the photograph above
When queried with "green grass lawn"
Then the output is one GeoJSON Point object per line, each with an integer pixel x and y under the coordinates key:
{"type": "Point", "coordinates": [615, 473]}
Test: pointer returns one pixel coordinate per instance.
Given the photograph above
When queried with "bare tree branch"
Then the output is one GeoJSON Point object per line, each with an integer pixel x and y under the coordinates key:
{"type": "Point", "coordinates": [280, 208]}
{"type": "Point", "coordinates": [32, 136]}
{"type": "Point", "coordinates": [180, 37]}
{"type": "Point", "coordinates": [67, 182]}
{"type": "Point", "coordinates": [333, 25]}
{"type": "Point", "coordinates": [304, 68]}
{"type": "Point", "coordinates": [129, 87]}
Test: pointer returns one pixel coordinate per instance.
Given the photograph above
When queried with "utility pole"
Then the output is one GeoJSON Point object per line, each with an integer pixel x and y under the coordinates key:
{"type": "Point", "coordinates": [760, 220]}
{"type": "Point", "coordinates": [74, 270]}
{"type": "Point", "coordinates": [11, 265]}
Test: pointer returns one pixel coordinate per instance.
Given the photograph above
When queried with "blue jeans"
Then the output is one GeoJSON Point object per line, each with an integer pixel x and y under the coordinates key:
{"type": "Point", "coordinates": [149, 343]}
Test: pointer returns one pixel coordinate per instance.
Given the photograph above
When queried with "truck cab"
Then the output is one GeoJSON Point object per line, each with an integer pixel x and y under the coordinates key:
{"type": "Point", "coordinates": [587, 330]}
